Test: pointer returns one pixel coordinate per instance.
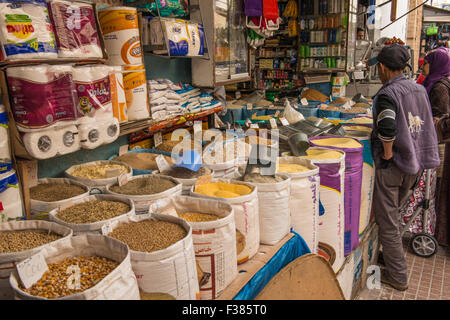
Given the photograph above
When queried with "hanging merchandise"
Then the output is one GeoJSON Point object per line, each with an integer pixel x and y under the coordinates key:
{"type": "Point", "coordinates": [353, 182]}
{"type": "Point", "coordinates": [271, 14]}
{"type": "Point", "coordinates": [26, 31]}
{"type": "Point", "coordinates": [75, 29]}
{"type": "Point", "coordinates": [115, 280]}
{"type": "Point", "coordinates": [19, 230]}
{"type": "Point", "coordinates": [42, 96]}
{"type": "Point", "coordinates": [163, 257]}
{"type": "Point", "coordinates": [304, 196]}
{"type": "Point", "coordinates": [214, 237]}
{"type": "Point", "coordinates": [253, 10]}
{"type": "Point", "coordinates": [291, 9]}
{"type": "Point", "coordinates": [136, 92]}
{"type": "Point", "coordinates": [5, 151]}
{"type": "Point", "coordinates": [120, 30]}
{"type": "Point", "coordinates": [11, 207]}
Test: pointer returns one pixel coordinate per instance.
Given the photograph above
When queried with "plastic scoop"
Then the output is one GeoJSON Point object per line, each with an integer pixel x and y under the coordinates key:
{"type": "Point", "coordinates": [190, 159]}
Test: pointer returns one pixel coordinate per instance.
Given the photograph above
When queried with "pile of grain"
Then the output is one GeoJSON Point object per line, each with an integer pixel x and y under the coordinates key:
{"type": "Point", "coordinates": [197, 217]}
{"type": "Point", "coordinates": [362, 105]}
{"type": "Point", "coordinates": [50, 192]}
{"type": "Point", "coordinates": [355, 110]}
{"type": "Point", "coordinates": [144, 186]}
{"type": "Point", "coordinates": [223, 190]}
{"type": "Point", "coordinates": [331, 107]}
{"type": "Point", "coordinates": [340, 100]}
{"type": "Point", "coordinates": [259, 178]}
{"type": "Point", "coordinates": [142, 161]}
{"type": "Point", "coordinates": [313, 154]}
{"type": "Point", "coordinates": [183, 173]}
{"type": "Point", "coordinates": [314, 95]}
{"type": "Point", "coordinates": [99, 171]}
{"type": "Point", "coordinates": [53, 283]}
{"type": "Point", "coordinates": [291, 168]}
{"type": "Point", "coordinates": [338, 142]}
{"type": "Point", "coordinates": [17, 241]}
{"type": "Point", "coordinates": [93, 211]}
{"type": "Point", "coordinates": [258, 140]}
{"type": "Point", "coordinates": [149, 235]}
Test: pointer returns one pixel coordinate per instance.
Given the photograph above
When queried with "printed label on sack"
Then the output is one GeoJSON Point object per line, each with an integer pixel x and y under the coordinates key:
{"type": "Point", "coordinates": [92, 96]}
{"type": "Point", "coordinates": [157, 139]}
{"type": "Point", "coordinates": [106, 228]}
{"type": "Point", "coordinates": [284, 122]}
{"type": "Point", "coordinates": [162, 164]}
{"type": "Point", "coordinates": [32, 269]}
{"type": "Point", "coordinates": [41, 104]}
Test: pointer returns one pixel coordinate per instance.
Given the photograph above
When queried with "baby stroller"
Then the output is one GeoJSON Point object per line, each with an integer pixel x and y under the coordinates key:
{"type": "Point", "coordinates": [423, 244]}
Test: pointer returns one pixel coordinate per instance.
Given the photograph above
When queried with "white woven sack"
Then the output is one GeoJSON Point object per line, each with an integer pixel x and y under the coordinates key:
{"type": "Point", "coordinates": [304, 201]}
{"type": "Point", "coordinates": [143, 203]}
{"type": "Point", "coordinates": [97, 183]}
{"type": "Point", "coordinates": [8, 260]}
{"type": "Point", "coordinates": [95, 227]}
{"type": "Point", "coordinates": [120, 284]}
{"type": "Point", "coordinates": [40, 209]}
{"type": "Point", "coordinates": [170, 271]}
{"type": "Point", "coordinates": [274, 214]}
{"type": "Point", "coordinates": [246, 217]}
{"type": "Point", "coordinates": [214, 243]}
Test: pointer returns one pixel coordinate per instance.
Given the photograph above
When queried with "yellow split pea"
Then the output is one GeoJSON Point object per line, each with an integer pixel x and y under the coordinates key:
{"type": "Point", "coordinates": [223, 190]}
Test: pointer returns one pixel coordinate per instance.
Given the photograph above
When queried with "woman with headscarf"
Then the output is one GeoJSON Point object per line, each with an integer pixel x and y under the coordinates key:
{"type": "Point", "coordinates": [436, 68]}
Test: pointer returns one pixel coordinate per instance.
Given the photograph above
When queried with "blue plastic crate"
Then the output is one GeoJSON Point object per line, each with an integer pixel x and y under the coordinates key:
{"type": "Point", "coordinates": [329, 114]}
{"type": "Point", "coordinates": [308, 112]}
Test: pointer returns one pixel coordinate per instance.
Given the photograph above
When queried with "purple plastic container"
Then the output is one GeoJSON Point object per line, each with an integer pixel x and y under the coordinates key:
{"type": "Point", "coordinates": [352, 191]}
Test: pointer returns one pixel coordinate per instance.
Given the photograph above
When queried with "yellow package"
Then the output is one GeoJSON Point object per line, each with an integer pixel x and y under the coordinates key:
{"type": "Point", "coordinates": [338, 142]}
{"type": "Point", "coordinates": [223, 190]}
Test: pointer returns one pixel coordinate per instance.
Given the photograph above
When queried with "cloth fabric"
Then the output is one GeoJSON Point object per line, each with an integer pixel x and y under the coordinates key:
{"type": "Point", "coordinates": [440, 98]}
{"type": "Point", "coordinates": [439, 61]}
{"type": "Point", "coordinates": [415, 147]}
{"type": "Point", "coordinates": [387, 111]}
{"type": "Point", "coordinates": [392, 188]}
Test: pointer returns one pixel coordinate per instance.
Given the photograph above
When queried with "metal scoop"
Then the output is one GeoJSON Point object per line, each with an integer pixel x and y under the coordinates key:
{"type": "Point", "coordinates": [299, 143]}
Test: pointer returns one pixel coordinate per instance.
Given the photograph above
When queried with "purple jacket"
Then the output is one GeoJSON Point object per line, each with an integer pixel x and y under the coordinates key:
{"type": "Point", "coordinates": [416, 145]}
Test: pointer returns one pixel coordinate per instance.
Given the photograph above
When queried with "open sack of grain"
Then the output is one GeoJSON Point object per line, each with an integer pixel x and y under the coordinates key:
{"type": "Point", "coordinates": [162, 255]}
{"type": "Point", "coordinates": [103, 265]}
{"type": "Point", "coordinates": [98, 174]}
{"type": "Point", "coordinates": [20, 240]}
{"type": "Point", "coordinates": [52, 193]}
{"type": "Point", "coordinates": [143, 161]}
{"type": "Point", "coordinates": [187, 177]}
{"type": "Point", "coordinates": [304, 197]}
{"type": "Point", "coordinates": [273, 204]}
{"type": "Point", "coordinates": [152, 190]}
{"type": "Point", "coordinates": [243, 197]}
{"type": "Point", "coordinates": [225, 157]}
{"type": "Point", "coordinates": [214, 236]}
{"type": "Point", "coordinates": [89, 214]}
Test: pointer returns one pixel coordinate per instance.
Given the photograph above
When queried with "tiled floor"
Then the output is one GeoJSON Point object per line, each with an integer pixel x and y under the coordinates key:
{"type": "Point", "coordinates": [428, 278]}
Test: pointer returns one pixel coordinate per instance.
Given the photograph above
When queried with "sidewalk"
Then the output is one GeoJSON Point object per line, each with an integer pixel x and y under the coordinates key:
{"type": "Point", "coordinates": [429, 279]}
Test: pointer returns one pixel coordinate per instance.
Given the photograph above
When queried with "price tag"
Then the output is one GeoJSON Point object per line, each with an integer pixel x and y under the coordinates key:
{"type": "Point", "coordinates": [238, 95]}
{"type": "Point", "coordinates": [273, 123]}
{"type": "Point", "coordinates": [284, 122]}
{"type": "Point", "coordinates": [106, 228]}
{"type": "Point", "coordinates": [123, 179]}
{"type": "Point", "coordinates": [157, 139]}
{"type": "Point", "coordinates": [249, 106]}
{"type": "Point", "coordinates": [123, 149]}
{"type": "Point", "coordinates": [359, 75]}
{"type": "Point", "coordinates": [203, 180]}
{"type": "Point", "coordinates": [111, 173]}
{"type": "Point", "coordinates": [32, 269]}
{"type": "Point", "coordinates": [162, 164]}
{"type": "Point", "coordinates": [304, 102]}
{"type": "Point", "coordinates": [277, 114]}
{"type": "Point", "coordinates": [254, 126]}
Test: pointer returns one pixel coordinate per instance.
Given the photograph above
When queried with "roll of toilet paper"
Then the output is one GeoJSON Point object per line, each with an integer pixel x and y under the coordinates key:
{"type": "Point", "coordinates": [42, 144]}
{"type": "Point", "coordinates": [121, 35]}
{"type": "Point", "coordinates": [69, 139]}
{"type": "Point", "coordinates": [26, 31]}
{"type": "Point", "coordinates": [75, 29]}
{"type": "Point", "coordinates": [42, 96]}
{"type": "Point", "coordinates": [93, 93]}
{"type": "Point", "coordinates": [119, 101]}
{"type": "Point", "coordinates": [110, 130]}
{"type": "Point", "coordinates": [91, 135]}
{"type": "Point", "coordinates": [136, 94]}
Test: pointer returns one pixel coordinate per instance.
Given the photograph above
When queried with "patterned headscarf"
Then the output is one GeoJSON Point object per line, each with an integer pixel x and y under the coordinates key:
{"type": "Point", "coordinates": [439, 61]}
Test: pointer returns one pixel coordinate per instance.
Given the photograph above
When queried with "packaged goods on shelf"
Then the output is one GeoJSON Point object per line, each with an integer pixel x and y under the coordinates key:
{"type": "Point", "coordinates": [164, 245]}
{"type": "Point", "coordinates": [17, 249]}
{"type": "Point", "coordinates": [214, 241]}
{"type": "Point", "coordinates": [51, 193]}
{"type": "Point", "coordinates": [26, 31]}
{"type": "Point", "coordinates": [243, 197]}
{"type": "Point", "coordinates": [75, 29]}
{"type": "Point", "coordinates": [10, 197]}
{"type": "Point", "coordinates": [110, 254]}
{"type": "Point", "coordinates": [304, 198]}
{"type": "Point", "coordinates": [148, 192]}
{"type": "Point", "coordinates": [120, 30]}
{"type": "Point", "coordinates": [136, 92]}
{"type": "Point", "coordinates": [5, 151]}
{"type": "Point", "coordinates": [353, 182]}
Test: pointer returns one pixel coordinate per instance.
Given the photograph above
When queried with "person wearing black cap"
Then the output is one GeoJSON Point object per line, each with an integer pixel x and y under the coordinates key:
{"type": "Point", "coordinates": [404, 143]}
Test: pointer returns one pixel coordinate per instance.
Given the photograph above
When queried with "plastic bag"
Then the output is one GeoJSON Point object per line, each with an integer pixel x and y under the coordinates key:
{"type": "Point", "coordinates": [290, 114]}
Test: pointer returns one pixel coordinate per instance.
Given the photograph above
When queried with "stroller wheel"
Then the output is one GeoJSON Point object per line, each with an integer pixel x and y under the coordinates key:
{"type": "Point", "coordinates": [423, 245]}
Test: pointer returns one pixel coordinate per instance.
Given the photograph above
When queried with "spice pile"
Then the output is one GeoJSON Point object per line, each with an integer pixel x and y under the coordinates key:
{"type": "Point", "coordinates": [223, 190]}
{"type": "Point", "coordinates": [17, 241]}
{"type": "Point", "coordinates": [54, 282]}
{"type": "Point", "coordinates": [144, 186]}
{"type": "Point", "coordinates": [93, 211]}
{"type": "Point", "coordinates": [98, 171]}
{"type": "Point", "coordinates": [50, 192]}
{"type": "Point", "coordinates": [149, 235]}
{"type": "Point", "coordinates": [197, 217]}
{"type": "Point", "coordinates": [142, 161]}
{"type": "Point", "coordinates": [314, 95]}
{"type": "Point", "coordinates": [183, 173]}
